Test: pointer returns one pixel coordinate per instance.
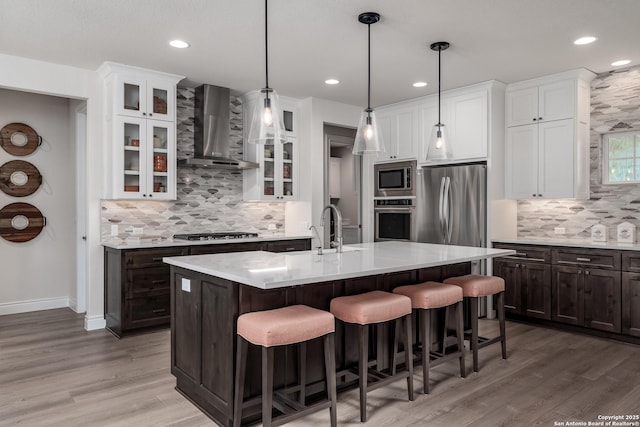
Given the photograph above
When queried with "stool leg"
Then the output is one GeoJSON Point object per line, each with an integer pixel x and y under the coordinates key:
{"type": "Point", "coordinates": [267, 385]}
{"type": "Point", "coordinates": [460, 336]}
{"type": "Point", "coordinates": [473, 312]}
{"type": "Point", "coordinates": [302, 364]}
{"type": "Point", "coordinates": [330, 367]}
{"type": "Point", "coordinates": [425, 332]}
{"type": "Point", "coordinates": [241, 364]}
{"type": "Point", "coordinates": [503, 334]}
{"type": "Point", "coordinates": [408, 355]}
{"type": "Point", "coordinates": [396, 344]}
{"type": "Point", "coordinates": [363, 335]}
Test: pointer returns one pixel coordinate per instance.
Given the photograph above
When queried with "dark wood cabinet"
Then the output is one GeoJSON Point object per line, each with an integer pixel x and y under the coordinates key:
{"type": "Point", "coordinates": [137, 282]}
{"type": "Point", "coordinates": [631, 304]}
{"type": "Point", "coordinates": [527, 277]}
{"type": "Point", "coordinates": [587, 288]}
{"type": "Point", "coordinates": [137, 286]}
{"type": "Point", "coordinates": [595, 290]}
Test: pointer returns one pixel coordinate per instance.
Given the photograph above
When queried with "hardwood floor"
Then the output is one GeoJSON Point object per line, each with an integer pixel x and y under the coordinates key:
{"type": "Point", "coordinates": [54, 373]}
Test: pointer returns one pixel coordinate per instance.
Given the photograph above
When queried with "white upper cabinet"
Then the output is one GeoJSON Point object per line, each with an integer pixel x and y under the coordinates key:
{"type": "Point", "coordinates": [399, 126]}
{"type": "Point", "coordinates": [543, 103]}
{"type": "Point", "coordinates": [140, 129]}
{"type": "Point", "coordinates": [467, 114]}
{"type": "Point", "coordinates": [547, 144]}
{"type": "Point", "coordinates": [276, 179]}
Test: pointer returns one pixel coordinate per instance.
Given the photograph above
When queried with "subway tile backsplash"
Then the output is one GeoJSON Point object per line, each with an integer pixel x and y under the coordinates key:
{"type": "Point", "coordinates": [208, 200]}
{"type": "Point", "coordinates": [615, 105]}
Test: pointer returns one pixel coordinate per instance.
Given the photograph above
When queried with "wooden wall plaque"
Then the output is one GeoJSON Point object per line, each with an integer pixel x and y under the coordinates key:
{"type": "Point", "coordinates": [20, 222]}
{"type": "Point", "coordinates": [19, 178]}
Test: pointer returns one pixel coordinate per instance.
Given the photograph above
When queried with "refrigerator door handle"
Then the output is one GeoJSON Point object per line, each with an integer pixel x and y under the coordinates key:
{"type": "Point", "coordinates": [449, 211]}
{"type": "Point", "coordinates": [441, 210]}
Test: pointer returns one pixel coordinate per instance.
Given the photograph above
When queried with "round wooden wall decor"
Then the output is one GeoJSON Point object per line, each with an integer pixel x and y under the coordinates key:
{"type": "Point", "coordinates": [20, 222]}
{"type": "Point", "coordinates": [19, 139]}
{"type": "Point", "coordinates": [19, 178]}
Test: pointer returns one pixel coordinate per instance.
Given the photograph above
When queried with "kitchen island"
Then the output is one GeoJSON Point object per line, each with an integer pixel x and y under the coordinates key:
{"type": "Point", "coordinates": [209, 292]}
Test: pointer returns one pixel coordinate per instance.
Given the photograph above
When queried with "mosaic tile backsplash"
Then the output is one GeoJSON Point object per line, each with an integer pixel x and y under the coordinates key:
{"type": "Point", "coordinates": [208, 200]}
{"type": "Point", "coordinates": [615, 105]}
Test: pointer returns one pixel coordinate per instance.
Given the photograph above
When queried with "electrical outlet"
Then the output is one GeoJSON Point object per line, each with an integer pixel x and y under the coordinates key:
{"type": "Point", "coordinates": [304, 225]}
{"type": "Point", "coordinates": [560, 230]}
{"type": "Point", "coordinates": [114, 229]}
{"type": "Point", "coordinates": [137, 230]}
{"type": "Point", "coordinates": [271, 227]}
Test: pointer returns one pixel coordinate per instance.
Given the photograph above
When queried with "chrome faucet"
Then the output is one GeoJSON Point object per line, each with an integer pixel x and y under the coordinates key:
{"type": "Point", "coordinates": [337, 243]}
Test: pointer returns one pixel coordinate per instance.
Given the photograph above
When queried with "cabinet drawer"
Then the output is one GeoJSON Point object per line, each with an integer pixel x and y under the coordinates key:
{"type": "Point", "coordinates": [151, 257]}
{"type": "Point", "coordinates": [289, 246]}
{"type": "Point", "coordinates": [223, 248]}
{"type": "Point", "coordinates": [587, 258]}
{"type": "Point", "coordinates": [142, 282]}
{"type": "Point", "coordinates": [527, 253]}
{"type": "Point", "coordinates": [631, 261]}
{"type": "Point", "coordinates": [149, 311]}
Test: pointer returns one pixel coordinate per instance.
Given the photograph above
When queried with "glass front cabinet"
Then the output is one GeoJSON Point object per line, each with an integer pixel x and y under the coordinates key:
{"type": "Point", "coordinates": [276, 178]}
{"type": "Point", "coordinates": [140, 126]}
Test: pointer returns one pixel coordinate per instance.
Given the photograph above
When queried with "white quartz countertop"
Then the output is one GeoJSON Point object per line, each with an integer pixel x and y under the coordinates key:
{"type": "Point", "coordinates": [573, 243]}
{"type": "Point", "coordinates": [266, 270]}
{"type": "Point", "coordinates": [151, 242]}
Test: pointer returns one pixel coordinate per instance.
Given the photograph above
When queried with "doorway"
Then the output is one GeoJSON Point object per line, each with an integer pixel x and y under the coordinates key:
{"type": "Point", "coordinates": [343, 182]}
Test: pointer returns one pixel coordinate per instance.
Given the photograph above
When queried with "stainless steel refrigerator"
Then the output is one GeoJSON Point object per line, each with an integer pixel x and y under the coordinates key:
{"type": "Point", "coordinates": [451, 205]}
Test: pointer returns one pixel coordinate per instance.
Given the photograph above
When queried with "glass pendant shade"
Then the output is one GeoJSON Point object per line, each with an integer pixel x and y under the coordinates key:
{"type": "Point", "coordinates": [439, 145]}
{"type": "Point", "coordinates": [267, 124]}
{"type": "Point", "coordinates": [368, 137]}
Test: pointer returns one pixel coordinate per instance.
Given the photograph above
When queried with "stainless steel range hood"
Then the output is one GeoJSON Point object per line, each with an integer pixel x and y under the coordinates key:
{"type": "Point", "coordinates": [212, 131]}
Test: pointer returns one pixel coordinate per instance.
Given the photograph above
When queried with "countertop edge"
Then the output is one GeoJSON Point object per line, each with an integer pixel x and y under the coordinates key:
{"type": "Point", "coordinates": [572, 244]}
{"type": "Point", "coordinates": [167, 243]}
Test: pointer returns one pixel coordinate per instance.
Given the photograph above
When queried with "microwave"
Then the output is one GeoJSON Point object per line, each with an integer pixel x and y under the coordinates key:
{"type": "Point", "coordinates": [395, 179]}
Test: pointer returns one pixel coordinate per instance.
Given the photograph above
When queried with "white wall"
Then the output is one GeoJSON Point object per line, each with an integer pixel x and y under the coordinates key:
{"type": "Point", "coordinates": [315, 113]}
{"type": "Point", "coordinates": [40, 273]}
{"type": "Point", "coordinates": [60, 80]}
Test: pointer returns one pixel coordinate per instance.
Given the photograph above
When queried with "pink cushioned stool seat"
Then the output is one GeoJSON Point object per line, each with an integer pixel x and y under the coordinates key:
{"type": "Point", "coordinates": [431, 294]}
{"type": "Point", "coordinates": [370, 307]}
{"type": "Point", "coordinates": [286, 325]}
{"type": "Point", "coordinates": [475, 285]}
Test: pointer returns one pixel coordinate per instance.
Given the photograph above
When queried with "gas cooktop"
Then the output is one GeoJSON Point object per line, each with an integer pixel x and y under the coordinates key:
{"type": "Point", "coordinates": [216, 236]}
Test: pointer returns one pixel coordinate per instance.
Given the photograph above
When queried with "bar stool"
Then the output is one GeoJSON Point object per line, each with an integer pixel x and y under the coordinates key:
{"type": "Point", "coordinates": [283, 326]}
{"type": "Point", "coordinates": [372, 308]}
{"type": "Point", "coordinates": [473, 287]}
{"type": "Point", "coordinates": [425, 297]}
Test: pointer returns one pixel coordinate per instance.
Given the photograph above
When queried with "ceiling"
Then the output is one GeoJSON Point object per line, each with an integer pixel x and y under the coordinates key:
{"type": "Point", "coordinates": [312, 40]}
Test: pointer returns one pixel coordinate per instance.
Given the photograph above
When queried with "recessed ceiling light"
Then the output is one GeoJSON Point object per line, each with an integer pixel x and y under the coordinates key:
{"type": "Point", "coordinates": [179, 44]}
{"type": "Point", "coordinates": [332, 81]}
{"type": "Point", "coordinates": [419, 84]}
{"type": "Point", "coordinates": [621, 62]}
{"type": "Point", "coordinates": [585, 40]}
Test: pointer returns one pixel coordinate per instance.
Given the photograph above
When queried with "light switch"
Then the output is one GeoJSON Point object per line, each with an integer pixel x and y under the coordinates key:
{"type": "Point", "coordinates": [186, 285]}
{"type": "Point", "coordinates": [114, 229]}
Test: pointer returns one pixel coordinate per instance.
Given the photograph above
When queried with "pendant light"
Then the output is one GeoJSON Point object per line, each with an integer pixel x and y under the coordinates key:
{"type": "Point", "coordinates": [266, 121]}
{"type": "Point", "coordinates": [439, 144]}
{"type": "Point", "coordinates": [368, 137]}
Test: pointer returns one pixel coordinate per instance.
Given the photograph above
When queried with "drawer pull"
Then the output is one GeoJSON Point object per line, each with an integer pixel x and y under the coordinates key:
{"type": "Point", "coordinates": [521, 254]}
{"type": "Point", "coordinates": [159, 310]}
{"type": "Point", "coordinates": [583, 259]}
{"type": "Point", "coordinates": [290, 249]}
{"type": "Point", "coordinates": [157, 282]}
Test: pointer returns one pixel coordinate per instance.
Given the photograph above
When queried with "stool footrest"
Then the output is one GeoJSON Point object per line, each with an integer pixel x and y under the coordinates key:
{"type": "Point", "coordinates": [284, 419]}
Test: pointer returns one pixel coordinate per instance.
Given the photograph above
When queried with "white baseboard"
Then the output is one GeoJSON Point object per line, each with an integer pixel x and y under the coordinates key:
{"type": "Point", "coordinates": [33, 305]}
{"type": "Point", "coordinates": [92, 323]}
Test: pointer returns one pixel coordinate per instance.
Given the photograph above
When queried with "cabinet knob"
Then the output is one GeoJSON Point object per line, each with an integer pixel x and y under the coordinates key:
{"type": "Point", "coordinates": [144, 195]}
{"type": "Point", "coordinates": [579, 271]}
{"type": "Point", "coordinates": [150, 114]}
{"type": "Point", "coordinates": [534, 194]}
{"type": "Point", "coordinates": [586, 272]}
{"type": "Point", "coordinates": [517, 265]}
{"type": "Point", "coordinates": [539, 195]}
{"type": "Point", "coordinates": [144, 114]}
{"type": "Point", "coordinates": [539, 118]}
{"type": "Point", "coordinates": [534, 119]}
{"type": "Point", "coordinates": [150, 195]}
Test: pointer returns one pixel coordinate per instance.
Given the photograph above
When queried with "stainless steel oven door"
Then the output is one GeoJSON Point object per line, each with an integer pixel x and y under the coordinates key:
{"type": "Point", "coordinates": [395, 223]}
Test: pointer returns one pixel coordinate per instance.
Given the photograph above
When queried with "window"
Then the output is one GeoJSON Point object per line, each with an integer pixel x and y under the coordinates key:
{"type": "Point", "coordinates": [621, 155]}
